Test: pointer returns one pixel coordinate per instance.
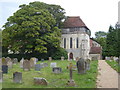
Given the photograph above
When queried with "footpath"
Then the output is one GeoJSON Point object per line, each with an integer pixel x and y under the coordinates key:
{"type": "Point", "coordinates": [107, 77]}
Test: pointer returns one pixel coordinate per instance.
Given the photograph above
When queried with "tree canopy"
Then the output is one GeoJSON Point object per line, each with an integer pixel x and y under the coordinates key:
{"type": "Point", "coordinates": [33, 28]}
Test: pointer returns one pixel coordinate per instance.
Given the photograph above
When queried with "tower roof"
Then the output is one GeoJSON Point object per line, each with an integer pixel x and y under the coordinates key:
{"type": "Point", "coordinates": [74, 21]}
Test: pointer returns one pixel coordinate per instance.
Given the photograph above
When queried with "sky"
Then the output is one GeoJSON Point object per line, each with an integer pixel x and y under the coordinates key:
{"type": "Point", "coordinates": [98, 15]}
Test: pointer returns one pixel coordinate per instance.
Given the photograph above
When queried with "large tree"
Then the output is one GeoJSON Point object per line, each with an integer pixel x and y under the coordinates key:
{"type": "Point", "coordinates": [33, 28]}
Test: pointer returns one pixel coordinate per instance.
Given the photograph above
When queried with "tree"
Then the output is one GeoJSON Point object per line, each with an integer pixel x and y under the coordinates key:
{"type": "Point", "coordinates": [100, 37]}
{"type": "Point", "coordinates": [32, 29]}
{"type": "Point", "coordinates": [111, 42]}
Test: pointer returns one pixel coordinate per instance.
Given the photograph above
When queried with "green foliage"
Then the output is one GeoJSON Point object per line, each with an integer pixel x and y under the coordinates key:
{"type": "Point", "coordinates": [112, 42]}
{"type": "Point", "coordinates": [100, 34]}
{"type": "Point", "coordinates": [59, 53]}
{"type": "Point", "coordinates": [33, 28]}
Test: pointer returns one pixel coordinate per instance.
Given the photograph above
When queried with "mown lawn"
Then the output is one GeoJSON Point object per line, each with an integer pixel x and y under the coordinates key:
{"type": "Point", "coordinates": [114, 65]}
{"type": "Point", "coordinates": [87, 80]}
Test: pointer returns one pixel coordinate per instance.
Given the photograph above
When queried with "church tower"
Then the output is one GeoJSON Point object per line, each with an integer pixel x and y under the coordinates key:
{"type": "Point", "coordinates": [75, 38]}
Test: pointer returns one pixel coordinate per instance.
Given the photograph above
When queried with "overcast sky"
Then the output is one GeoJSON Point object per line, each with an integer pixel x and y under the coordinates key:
{"type": "Point", "coordinates": [98, 15]}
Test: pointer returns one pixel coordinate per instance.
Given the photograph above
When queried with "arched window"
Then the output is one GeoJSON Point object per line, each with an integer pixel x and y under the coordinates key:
{"type": "Point", "coordinates": [77, 43]}
{"type": "Point", "coordinates": [70, 42]}
{"type": "Point", "coordinates": [64, 42]}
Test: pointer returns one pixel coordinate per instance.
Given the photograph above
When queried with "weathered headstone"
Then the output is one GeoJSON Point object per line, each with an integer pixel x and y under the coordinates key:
{"type": "Point", "coordinates": [37, 67]}
{"type": "Point", "coordinates": [15, 61]}
{"type": "Point", "coordinates": [17, 77]}
{"type": "Point", "coordinates": [71, 81]}
{"type": "Point", "coordinates": [42, 60]}
{"type": "Point", "coordinates": [10, 64]}
{"type": "Point", "coordinates": [4, 62]}
{"type": "Point", "coordinates": [32, 62]}
{"type": "Point", "coordinates": [4, 69]}
{"type": "Point", "coordinates": [42, 65]}
{"type": "Point", "coordinates": [53, 64]}
{"type": "Point", "coordinates": [26, 65]}
{"type": "Point", "coordinates": [57, 70]}
{"type": "Point", "coordinates": [21, 63]}
{"type": "Point", "coordinates": [8, 59]}
{"type": "Point", "coordinates": [62, 58]}
{"type": "Point", "coordinates": [50, 58]}
{"type": "Point", "coordinates": [40, 81]}
{"type": "Point", "coordinates": [81, 66]}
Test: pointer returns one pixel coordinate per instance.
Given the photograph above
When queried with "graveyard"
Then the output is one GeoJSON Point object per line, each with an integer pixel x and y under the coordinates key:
{"type": "Point", "coordinates": [53, 79]}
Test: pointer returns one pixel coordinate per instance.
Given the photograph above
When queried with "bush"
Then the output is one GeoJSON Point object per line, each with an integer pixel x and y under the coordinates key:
{"type": "Point", "coordinates": [59, 53]}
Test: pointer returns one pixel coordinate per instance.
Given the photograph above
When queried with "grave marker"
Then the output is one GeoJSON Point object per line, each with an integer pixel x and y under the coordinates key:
{"type": "Point", "coordinates": [17, 77]}
{"type": "Point", "coordinates": [26, 65]}
{"type": "Point", "coordinates": [40, 81]}
{"type": "Point", "coordinates": [53, 64]}
{"type": "Point", "coordinates": [56, 70]}
{"type": "Point", "coordinates": [4, 69]}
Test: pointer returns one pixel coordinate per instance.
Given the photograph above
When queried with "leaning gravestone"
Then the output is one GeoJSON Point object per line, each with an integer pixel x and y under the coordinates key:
{"type": "Point", "coordinates": [57, 70]}
{"type": "Point", "coordinates": [17, 77]}
{"type": "Point", "coordinates": [4, 69]}
{"type": "Point", "coordinates": [53, 64]}
{"type": "Point", "coordinates": [26, 65]}
{"type": "Point", "coordinates": [37, 67]}
{"type": "Point", "coordinates": [40, 81]}
{"type": "Point", "coordinates": [81, 66]}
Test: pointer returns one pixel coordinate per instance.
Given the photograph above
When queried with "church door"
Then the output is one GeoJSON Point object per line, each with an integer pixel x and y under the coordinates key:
{"type": "Point", "coordinates": [71, 55]}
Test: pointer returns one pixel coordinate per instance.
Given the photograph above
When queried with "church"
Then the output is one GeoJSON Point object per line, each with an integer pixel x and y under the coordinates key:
{"type": "Point", "coordinates": [76, 40]}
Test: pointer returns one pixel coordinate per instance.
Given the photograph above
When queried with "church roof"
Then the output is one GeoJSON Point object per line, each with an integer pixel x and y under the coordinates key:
{"type": "Point", "coordinates": [95, 50]}
{"type": "Point", "coordinates": [74, 21]}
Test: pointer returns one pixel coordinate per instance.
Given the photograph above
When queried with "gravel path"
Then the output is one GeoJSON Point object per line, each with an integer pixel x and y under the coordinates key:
{"type": "Point", "coordinates": [107, 77]}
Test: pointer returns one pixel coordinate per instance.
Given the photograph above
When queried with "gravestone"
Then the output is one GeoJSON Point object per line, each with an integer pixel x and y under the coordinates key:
{"type": "Point", "coordinates": [53, 64]}
{"type": "Point", "coordinates": [10, 64]}
{"type": "Point", "coordinates": [71, 81]}
{"type": "Point", "coordinates": [21, 63]}
{"type": "Point", "coordinates": [4, 69]}
{"type": "Point", "coordinates": [4, 62]}
{"type": "Point", "coordinates": [50, 58]}
{"type": "Point", "coordinates": [1, 76]}
{"type": "Point", "coordinates": [42, 60]}
{"type": "Point", "coordinates": [42, 65]}
{"type": "Point", "coordinates": [57, 70]}
{"type": "Point", "coordinates": [62, 58]}
{"type": "Point", "coordinates": [8, 59]}
{"type": "Point", "coordinates": [40, 81]}
{"type": "Point", "coordinates": [26, 65]}
{"type": "Point", "coordinates": [81, 66]}
{"type": "Point", "coordinates": [32, 62]}
{"type": "Point", "coordinates": [17, 77]}
{"type": "Point", "coordinates": [87, 64]}
{"type": "Point", "coordinates": [15, 61]}
{"type": "Point", "coordinates": [37, 67]}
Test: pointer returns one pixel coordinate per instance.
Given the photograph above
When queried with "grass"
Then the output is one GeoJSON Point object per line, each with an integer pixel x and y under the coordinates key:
{"type": "Point", "coordinates": [87, 80]}
{"type": "Point", "coordinates": [114, 65]}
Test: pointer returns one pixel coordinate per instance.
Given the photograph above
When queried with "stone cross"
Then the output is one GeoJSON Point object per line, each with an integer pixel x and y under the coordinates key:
{"type": "Point", "coordinates": [71, 81]}
{"type": "Point", "coordinates": [70, 68]}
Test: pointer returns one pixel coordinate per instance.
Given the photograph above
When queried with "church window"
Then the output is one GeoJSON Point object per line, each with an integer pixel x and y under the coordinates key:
{"type": "Point", "coordinates": [64, 42]}
{"type": "Point", "coordinates": [70, 42]}
{"type": "Point", "coordinates": [77, 43]}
